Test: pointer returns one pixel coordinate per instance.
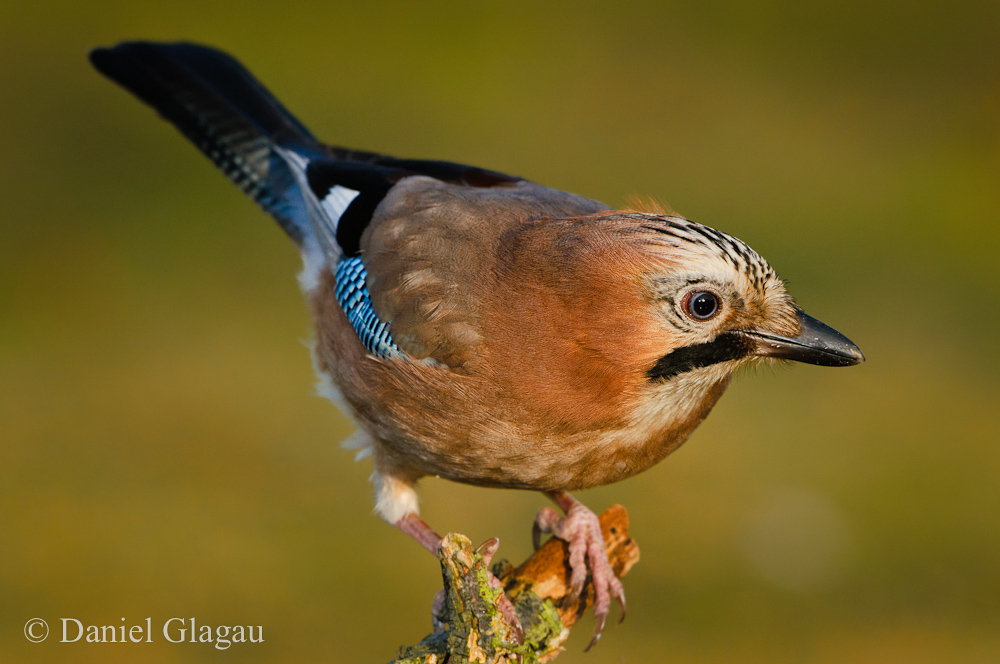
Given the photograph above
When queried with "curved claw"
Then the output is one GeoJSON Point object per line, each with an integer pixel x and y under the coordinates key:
{"type": "Point", "coordinates": [545, 522]}
{"type": "Point", "coordinates": [618, 594]}
{"type": "Point", "coordinates": [487, 549]}
{"type": "Point", "coordinates": [597, 635]}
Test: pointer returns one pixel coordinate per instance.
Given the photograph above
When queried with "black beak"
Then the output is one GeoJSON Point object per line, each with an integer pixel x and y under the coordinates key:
{"type": "Point", "coordinates": [816, 343]}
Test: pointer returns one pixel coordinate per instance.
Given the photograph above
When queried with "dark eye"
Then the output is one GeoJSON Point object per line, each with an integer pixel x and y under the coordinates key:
{"type": "Point", "coordinates": [702, 305]}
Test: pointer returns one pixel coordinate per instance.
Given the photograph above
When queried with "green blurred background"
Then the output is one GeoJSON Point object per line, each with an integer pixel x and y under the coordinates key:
{"type": "Point", "coordinates": [163, 454]}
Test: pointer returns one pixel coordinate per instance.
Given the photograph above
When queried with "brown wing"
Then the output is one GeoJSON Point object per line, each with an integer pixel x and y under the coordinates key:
{"type": "Point", "coordinates": [430, 253]}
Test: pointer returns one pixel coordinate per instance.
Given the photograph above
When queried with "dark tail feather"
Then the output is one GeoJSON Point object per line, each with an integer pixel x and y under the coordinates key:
{"type": "Point", "coordinates": [214, 101]}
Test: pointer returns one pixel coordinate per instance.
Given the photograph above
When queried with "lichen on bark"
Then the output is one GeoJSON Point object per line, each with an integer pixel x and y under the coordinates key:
{"type": "Point", "coordinates": [473, 628]}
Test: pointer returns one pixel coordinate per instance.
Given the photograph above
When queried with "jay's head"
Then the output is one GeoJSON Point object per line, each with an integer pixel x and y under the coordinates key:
{"type": "Point", "coordinates": [721, 303]}
{"type": "Point", "coordinates": [673, 299]}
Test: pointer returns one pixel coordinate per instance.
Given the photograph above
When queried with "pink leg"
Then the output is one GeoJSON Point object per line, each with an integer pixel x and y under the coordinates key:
{"type": "Point", "coordinates": [417, 528]}
{"type": "Point", "coordinates": [581, 529]}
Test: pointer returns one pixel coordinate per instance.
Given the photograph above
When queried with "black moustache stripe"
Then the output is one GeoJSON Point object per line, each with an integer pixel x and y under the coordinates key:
{"type": "Point", "coordinates": [727, 346]}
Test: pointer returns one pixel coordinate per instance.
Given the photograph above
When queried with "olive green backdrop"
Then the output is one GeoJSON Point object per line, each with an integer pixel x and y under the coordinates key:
{"type": "Point", "coordinates": [163, 454]}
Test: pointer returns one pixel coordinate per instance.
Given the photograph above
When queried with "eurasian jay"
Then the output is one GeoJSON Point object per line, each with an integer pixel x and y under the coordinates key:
{"type": "Point", "coordinates": [481, 327]}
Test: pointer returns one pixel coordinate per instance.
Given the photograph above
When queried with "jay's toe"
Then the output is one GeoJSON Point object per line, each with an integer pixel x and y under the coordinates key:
{"type": "Point", "coordinates": [581, 530]}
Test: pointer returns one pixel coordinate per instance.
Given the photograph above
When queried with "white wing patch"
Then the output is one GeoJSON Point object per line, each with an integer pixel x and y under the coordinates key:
{"type": "Point", "coordinates": [323, 215]}
{"type": "Point", "coordinates": [335, 203]}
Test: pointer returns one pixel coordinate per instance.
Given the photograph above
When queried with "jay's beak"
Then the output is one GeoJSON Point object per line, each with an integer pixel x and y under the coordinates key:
{"type": "Point", "coordinates": [816, 343]}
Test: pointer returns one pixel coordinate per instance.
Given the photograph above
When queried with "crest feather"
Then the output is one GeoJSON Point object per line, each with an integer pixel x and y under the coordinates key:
{"type": "Point", "coordinates": [648, 205]}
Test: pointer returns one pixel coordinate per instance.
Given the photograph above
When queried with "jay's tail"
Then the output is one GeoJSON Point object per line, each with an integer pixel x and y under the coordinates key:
{"type": "Point", "coordinates": [214, 101]}
{"type": "Point", "coordinates": [322, 196]}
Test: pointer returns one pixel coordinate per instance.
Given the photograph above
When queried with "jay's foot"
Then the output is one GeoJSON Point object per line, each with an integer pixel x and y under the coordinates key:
{"type": "Point", "coordinates": [581, 530]}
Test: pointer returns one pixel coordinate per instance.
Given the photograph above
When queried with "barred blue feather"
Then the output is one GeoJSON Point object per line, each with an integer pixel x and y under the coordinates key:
{"type": "Point", "coordinates": [352, 294]}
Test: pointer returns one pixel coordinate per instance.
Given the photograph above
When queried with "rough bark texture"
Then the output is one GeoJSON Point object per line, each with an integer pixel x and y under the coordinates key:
{"type": "Point", "coordinates": [473, 627]}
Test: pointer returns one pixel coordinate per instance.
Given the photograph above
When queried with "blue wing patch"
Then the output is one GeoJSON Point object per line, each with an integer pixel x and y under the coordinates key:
{"type": "Point", "coordinates": [352, 294]}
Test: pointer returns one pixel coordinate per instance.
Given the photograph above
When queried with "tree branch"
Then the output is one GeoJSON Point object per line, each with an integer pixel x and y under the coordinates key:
{"type": "Point", "coordinates": [472, 624]}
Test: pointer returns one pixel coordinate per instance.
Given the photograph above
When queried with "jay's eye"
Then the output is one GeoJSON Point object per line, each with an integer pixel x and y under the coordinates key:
{"type": "Point", "coordinates": [701, 305]}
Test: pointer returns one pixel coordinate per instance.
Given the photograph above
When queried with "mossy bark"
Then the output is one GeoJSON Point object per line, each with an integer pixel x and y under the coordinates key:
{"type": "Point", "coordinates": [474, 630]}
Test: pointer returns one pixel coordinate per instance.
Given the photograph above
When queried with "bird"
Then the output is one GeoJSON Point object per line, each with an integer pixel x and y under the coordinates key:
{"type": "Point", "coordinates": [478, 326]}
